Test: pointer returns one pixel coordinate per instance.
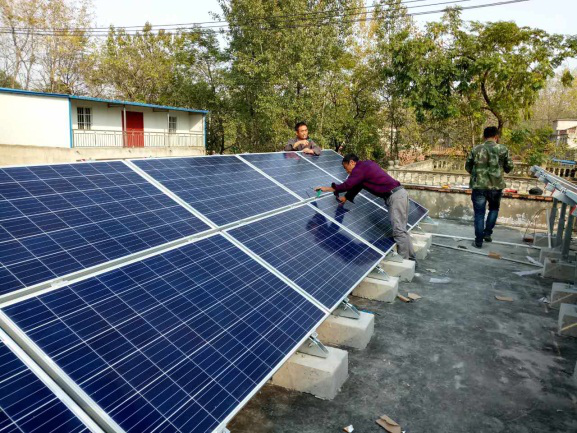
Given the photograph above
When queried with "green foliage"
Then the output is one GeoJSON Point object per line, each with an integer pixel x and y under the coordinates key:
{"type": "Point", "coordinates": [377, 87]}
{"type": "Point", "coordinates": [532, 145]}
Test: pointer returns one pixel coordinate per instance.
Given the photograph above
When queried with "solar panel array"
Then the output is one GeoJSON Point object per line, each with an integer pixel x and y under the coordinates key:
{"type": "Point", "coordinates": [176, 339]}
{"type": "Point", "coordinates": [175, 342]}
{"type": "Point", "coordinates": [222, 188]}
{"type": "Point", "coordinates": [59, 219]}
{"type": "Point", "coordinates": [312, 251]}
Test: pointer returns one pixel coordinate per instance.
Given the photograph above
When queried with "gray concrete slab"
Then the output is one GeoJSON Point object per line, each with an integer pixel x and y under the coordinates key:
{"type": "Point", "coordinates": [456, 361]}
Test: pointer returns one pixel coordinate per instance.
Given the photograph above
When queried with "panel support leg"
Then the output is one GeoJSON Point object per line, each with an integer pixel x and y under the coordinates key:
{"type": "Point", "coordinates": [567, 239]}
{"type": "Point", "coordinates": [314, 347]}
{"type": "Point", "coordinates": [561, 225]}
{"type": "Point", "coordinates": [346, 309]}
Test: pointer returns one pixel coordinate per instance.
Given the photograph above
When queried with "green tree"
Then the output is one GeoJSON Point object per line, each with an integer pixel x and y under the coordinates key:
{"type": "Point", "coordinates": [532, 145]}
{"type": "Point", "coordinates": [282, 60]}
{"type": "Point", "coordinates": [499, 65]}
{"type": "Point", "coordinates": [137, 67]}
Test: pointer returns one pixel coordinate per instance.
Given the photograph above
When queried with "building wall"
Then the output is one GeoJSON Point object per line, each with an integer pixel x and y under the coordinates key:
{"type": "Point", "coordinates": [106, 118]}
{"type": "Point", "coordinates": [30, 155]}
{"type": "Point", "coordinates": [561, 124]}
{"type": "Point", "coordinates": [34, 120]}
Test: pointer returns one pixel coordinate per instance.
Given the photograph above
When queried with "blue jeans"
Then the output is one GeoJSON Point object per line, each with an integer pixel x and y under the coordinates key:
{"type": "Point", "coordinates": [480, 198]}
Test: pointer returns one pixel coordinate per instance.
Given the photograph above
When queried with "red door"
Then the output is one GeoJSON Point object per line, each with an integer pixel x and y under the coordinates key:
{"type": "Point", "coordinates": [134, 130]}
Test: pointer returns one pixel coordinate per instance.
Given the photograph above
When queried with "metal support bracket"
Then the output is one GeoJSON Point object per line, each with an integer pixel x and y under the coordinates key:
{"type": "Point", "coordinates": [346, 309]}
{"type": "Point", "coordinates": [379, 274]}
{"type": "Point", "coordinates": [567, 240]}
{"type": "Point", "coordinates": [561, 225]}
{"type": "Point", "coordinates": [394, 257]}
{"type": "Point", "coordinates": [314, 347]}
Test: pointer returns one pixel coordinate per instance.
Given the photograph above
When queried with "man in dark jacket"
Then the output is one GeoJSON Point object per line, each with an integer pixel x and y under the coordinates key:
{"type": "Point", "coordinates": [487, 163]}
{"type": "Point", "coordinates": [302, 141]}
{"type": "Point", "coordinates": [370, 176]}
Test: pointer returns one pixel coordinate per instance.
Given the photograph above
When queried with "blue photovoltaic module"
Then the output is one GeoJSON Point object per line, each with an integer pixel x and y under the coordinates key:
{"type": "Point", "coordinates": [317, 254]}
{"type": "Point", "coordinates": [57, 219]}
{"type": "Point", "coordinates": [175, 342]}
{"type": "Point", "coordinates": [223, 188]}
{"type": "Point", "coordinates": [27, 405]}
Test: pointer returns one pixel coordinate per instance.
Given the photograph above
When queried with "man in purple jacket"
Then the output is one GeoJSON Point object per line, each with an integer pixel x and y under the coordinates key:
{"type": "Point", "coordinates": [370, 176]}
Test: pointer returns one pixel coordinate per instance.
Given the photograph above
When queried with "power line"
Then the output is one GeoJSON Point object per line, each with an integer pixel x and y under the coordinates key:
{"type": "Point", "coordinates": [179, 25]}
{"type": "Point", "coordinates": [227, 28]}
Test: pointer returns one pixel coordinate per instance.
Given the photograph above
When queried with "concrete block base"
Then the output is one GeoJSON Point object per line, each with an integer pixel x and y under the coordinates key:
{"type": "Point", "coordinates": [377, 289]}
{"type": "Point", "coordinates": [427, 238]}
{"type": "Point", "coordinates": [405, 270]}
{"type": "Point", "coordinates": [421, 250]}
{"type": "Point", "coordinates": [562, 293]}
{"type": "Point", "coordinates": [321, 377]}
{"type": "Point", "coordinates": [554, 253]}
{"type": "Point", "coordinates": [568, 317]}
{"type": "Point", "coordinates": [564, 271]}
{"type": "Point", "coordinates": [347, 332]}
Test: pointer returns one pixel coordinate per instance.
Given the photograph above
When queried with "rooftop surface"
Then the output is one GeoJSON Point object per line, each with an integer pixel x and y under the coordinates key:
{"type": "Point", "coordinates": [457, 360]}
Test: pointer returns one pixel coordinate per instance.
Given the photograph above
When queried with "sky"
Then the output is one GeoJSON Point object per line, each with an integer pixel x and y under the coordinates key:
{"type": "Point", "coordinates": [553, 16]}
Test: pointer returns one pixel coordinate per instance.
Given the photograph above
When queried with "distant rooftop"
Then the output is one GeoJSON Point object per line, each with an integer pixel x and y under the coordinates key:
{"type": "Point", "coordinates": [108, 101]}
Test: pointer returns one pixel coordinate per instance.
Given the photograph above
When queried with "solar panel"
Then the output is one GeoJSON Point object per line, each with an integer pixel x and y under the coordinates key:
{"type": "Point", "coordinates": [27, 405]}
{"type": "Point", "coordinates": [363, 217]}
{"type": "Point", "coordinates": [315, 253]}
{"type": "Point", "coordinates": [175, 342]}
{"type": "Point", "coordinates": [223, 188]}
{"type": "Point", "coordinates": [330, 161]}
{"type": "Point", "coordinates": [57, 219]}
{"type": "Point", "coordinates": [416, 213]}
{"type": "Point", "coordinates": [291, 170]}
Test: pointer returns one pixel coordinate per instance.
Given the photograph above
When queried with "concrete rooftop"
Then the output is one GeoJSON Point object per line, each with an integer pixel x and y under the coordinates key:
{"type": "Point", "coordinates": [457, 360]}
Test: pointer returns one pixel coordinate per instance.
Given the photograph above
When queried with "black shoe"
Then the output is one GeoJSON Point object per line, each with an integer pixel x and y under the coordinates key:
{"type": "Point", "coordinates": [413, 259]}
{"type": "Point", "coordinates": [477, 244]}
{"type": "Point", "coordinates": [488, 239]}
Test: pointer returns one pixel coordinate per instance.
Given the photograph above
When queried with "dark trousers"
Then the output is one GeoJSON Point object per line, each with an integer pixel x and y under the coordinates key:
{"type": "Point", "coordinates": [480, 198]}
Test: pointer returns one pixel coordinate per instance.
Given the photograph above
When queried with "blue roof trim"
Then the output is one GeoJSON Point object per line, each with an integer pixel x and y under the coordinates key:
{"type": "Point", "coordinates": [108, 101]}
{"type": "Point", "coordinates": [30, 92]}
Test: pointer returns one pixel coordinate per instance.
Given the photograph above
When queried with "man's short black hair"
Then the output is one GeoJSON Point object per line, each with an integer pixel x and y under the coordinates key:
{"type": "Point", "coordinates": [350, 157]}
{"type": "Point", "coordinates": [490, 132]}
{"type": "Point", "coordinates": [299, 124]}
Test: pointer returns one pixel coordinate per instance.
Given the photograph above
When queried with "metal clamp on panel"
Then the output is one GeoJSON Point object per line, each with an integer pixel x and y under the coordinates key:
{"type": "Point", "coordinates": [379, 274]}
{"type": "Point", "coordinates": [314, 347]}
{"type": "Point", "coordinates": [346, 309]}
{"type": "Point", "coordinates": [394, 257]}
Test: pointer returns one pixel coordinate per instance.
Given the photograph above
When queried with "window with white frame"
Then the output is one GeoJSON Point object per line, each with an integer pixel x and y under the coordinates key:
{"type": "Point", "coordinates": [84, 117]}
{"type": "Point", "coordinates": [172, 124]}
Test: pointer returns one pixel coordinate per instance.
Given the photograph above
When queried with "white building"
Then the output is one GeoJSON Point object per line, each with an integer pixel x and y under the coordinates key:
{"type": "Point", "coordinates": [566, 132]}
{"type": "Point", "coordinates": [67, 121]}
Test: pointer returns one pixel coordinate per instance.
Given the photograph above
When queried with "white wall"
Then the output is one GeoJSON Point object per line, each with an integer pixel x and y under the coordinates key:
{"type": "Point", "coordinates": [106, 118]}
{"type": "Point", "coordinates": [560, 125]}
{"type": "Point", "coordinates": [34, 120]}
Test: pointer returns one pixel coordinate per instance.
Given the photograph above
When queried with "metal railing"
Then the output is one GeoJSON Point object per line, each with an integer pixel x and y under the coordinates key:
{"type": "Point", "coordinates": [91, 138]}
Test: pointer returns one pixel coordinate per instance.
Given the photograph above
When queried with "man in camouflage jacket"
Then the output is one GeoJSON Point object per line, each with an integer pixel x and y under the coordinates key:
{"type": "Point", "coordinates": [487, 163]}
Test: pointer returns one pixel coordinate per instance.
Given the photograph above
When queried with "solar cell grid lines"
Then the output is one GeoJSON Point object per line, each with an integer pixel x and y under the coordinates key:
{"type": "Point", "coordinates": [59, 219]}
{"type": "Point", "coordinates": [314, 252]}
{"type": "Point", "coordinates": [174, 342]}
{"type": "Point", "coordinates": [222, 188]}
{"type": "Point", "coordinates": [27, 405]}
{"type": "Point", "coordinates": [330, 161]}
{"type": "Point", "coordinates": [291, 170]}
{"type": "Point", "coordinates": [363, 217]}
